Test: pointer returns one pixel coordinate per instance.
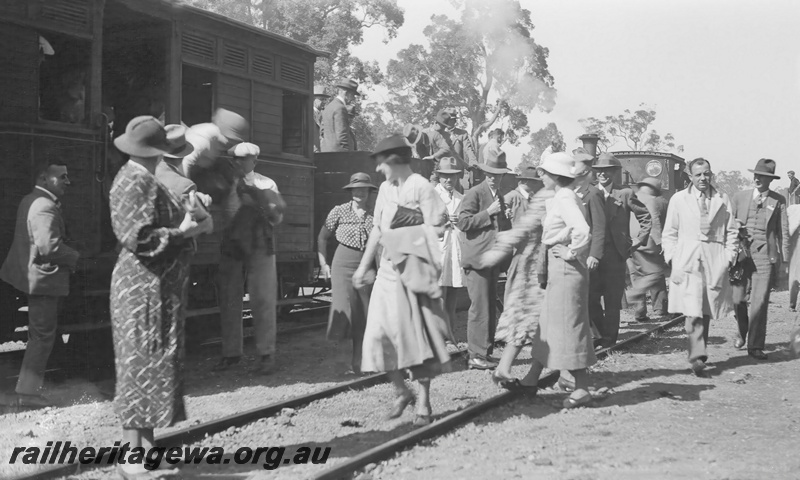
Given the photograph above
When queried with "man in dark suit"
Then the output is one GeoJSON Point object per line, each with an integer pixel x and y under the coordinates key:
{"type": "Point", "coordinates": [481, 215]}
{"type": "Point", "coordinates": [647, 266]}
{"type": "Point", "coordinates": [39, 264]}
{"type": "Point", "coordinates": [608, 280]}
{"type": "Point", "coordinates": [761, 216]}
{"type": "Point", "coordinates": [336, 135]}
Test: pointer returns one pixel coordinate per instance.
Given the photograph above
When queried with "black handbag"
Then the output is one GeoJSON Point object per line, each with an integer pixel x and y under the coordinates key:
{"type": "Point", "coordinates": [743, 265]}
{"type": "Point", "coordinates": [406, 217]}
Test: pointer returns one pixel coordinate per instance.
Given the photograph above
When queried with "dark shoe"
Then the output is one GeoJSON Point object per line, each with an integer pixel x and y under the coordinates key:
{"type": "Point", "coordinates": [265, 365]}
{"type": "Point", "coordinates": [644, 320]}
{"type": "Point", "coordinates": [422, 420]}
{"type": "Point", "coordinates": [505, 382]}
{"type": "Point", "coordinates": [401, 403]}
{"type": "Point", "coordinates": [33, 401]}
{"type": "Point", "coordinates": [698, 367]}
{"type": "Point", "coordinates": [738, 343]}
{"type": "Point", "coordinates": [225, 363]}
{"type": "Point", "coordinates": [757, 353]}
{"type": "Point", "coordinates": [478, 363]}
{"type": "Point", "coordinates": [566, 385]}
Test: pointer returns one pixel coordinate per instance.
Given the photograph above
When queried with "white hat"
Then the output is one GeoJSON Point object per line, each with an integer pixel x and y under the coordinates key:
{"type": "Point", "coordinates": [559, 163]}
{"type": "Point", "coordinates": [244, 150]}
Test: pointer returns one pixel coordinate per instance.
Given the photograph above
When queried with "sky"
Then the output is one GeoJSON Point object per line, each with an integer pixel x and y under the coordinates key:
{"type": "Point", "coordinates": [723, 76]}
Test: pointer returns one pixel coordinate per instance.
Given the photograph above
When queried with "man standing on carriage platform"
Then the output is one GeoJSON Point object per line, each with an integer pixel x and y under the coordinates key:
{"type": "Point", "coordinates": [319, 98]}
{"type": "Point", "coordinates": [761, 216]}
{"type": "Point", "coordinates": [336, 133]}
{"type": "Point", "coordinates": [39, 264]}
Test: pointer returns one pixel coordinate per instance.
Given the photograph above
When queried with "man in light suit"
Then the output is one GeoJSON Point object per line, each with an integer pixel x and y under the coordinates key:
{"type": "Point", "coordinates": [336, 135]}
{"type": "Point", "coordinates": [608, 280]}
{"type": "Point", "coordinates": [481, 215]}
{"type": "Point", "coordinates": [699, 240]}
{"type": "Point", "coordinates": [762, 214]}
{"type": "Point", "coordinates": [319, 99]}
{"type": "Point", "coordinates": [646, 264]}
{"type": "Point", "coordinates": [39, 264]}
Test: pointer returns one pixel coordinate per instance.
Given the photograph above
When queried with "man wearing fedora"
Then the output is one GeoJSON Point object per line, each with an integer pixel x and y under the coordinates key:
{"type": "Point", "coordinates": [336, 136]}
{"type": "Point", "coordinates": [481, 215]}
{"type": "Point", "coordinates": [442, 142]}
{"type": "Point", "coordinates": [608, 280]}
{"type": "Point", "coordinates": [647, 266]}
{"type": "Point", "coordinates": [39, 264]}
{"type": "Point", "coordinates": [462, 142]}
{"type": "Point", "coordinates": [761, 216]}
{"type": "Point", "coordinates": [319, 99]}
{"type": "Point", "coordinates": [452, 279]}
{"type": "Point", "coordinates": [248, 251]}
{"type": "Point", "coordinates": [517, 200]}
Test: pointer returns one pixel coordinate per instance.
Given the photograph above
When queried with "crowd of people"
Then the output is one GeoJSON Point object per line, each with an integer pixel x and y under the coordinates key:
{"type": "Point", "coordinates": [569, 239]}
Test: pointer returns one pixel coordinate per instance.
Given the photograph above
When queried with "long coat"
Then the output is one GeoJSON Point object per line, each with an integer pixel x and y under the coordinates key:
{"type": "Point", "coordinates": [39, 261]}
{"type": "Point", "coordinates": [699, 262]}
{"type": "Point", "coordinates": [336, 128]}
{"type": "Point", "coordinates": [777, 226]}
{"type": "Point", "coordinates": [478, 228]}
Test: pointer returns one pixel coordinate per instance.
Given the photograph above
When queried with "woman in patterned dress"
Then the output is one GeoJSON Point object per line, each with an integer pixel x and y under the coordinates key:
{"type": "Point", "coordinates": [350, 223]}
{"type": "Point", "coordinates": [148, 288]}
{"type": "Point", "coordinates": [519, 322]}
{"type": "Point", "coordinates": [452, 273]}
{"type": "Point", "coordinates": [406, 328]}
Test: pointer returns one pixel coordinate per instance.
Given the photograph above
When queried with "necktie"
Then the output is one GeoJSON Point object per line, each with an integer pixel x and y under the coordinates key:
{"type": "Point", "coordinates": [705, 226]}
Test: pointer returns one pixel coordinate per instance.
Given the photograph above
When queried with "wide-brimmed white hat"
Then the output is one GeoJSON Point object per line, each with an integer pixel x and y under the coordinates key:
{"type": "Point", "coordinates": [559, 163]}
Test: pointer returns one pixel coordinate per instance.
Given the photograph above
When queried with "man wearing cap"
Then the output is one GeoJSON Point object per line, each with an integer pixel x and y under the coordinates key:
{"type": "Point", "coordinates": [248, 248]}
{"type": "Point", "coordinates": [319, 99]}
{"type": "Point", "coordinates": [699, 240]}
{"type": "Point", "coordinates": [462, 142]}
{"type": "Point", "coordinates": [336, 135]}
{"type": "Point", "coordinates": [646, 264]}
{"type": "Point", "coordinates": [39, 264]}
{"type": "Point", "coordinates": [608, 280]}
{"type": "Point", "coordinates": [761, 217]}
{"type": "Point", "coordinates": [442, 142]}
{"type": "Point", "coordinates": [452, 278]}
{"type": "Point", "coordinates": [517, 200]}
{"type": "Point", "coordinates": [794, 188]}
{"type": "Point", "coordinates": [481, 215]}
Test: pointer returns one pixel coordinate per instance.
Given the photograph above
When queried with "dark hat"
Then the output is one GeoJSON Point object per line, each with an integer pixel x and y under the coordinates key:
{"type": "Point", "coordinates": [607, 160]}
{"type": "Point", "coordinates": [360, 180]}
{"type": "Point", "coordinates": [581, 155]}
{"type": "Point", "coordinates": [529, 173]}
{"type": "Point", "coordinates": [494, 163]}
{"type": "Point", "coordinates": [232, 125]}
{"type": "Point", "coordinates": [393, 142]}
{"type": "Point", "coordinates": [448, 165]}
{"type": "Point", "coordinates": [144, 137]}
{"type": "Point", "coordinates": [408, 132]}
{"type": "Point", "coordinates": [766, 167]}
{"type": "Point", "coordinates": [444, 116]}
{"type": "Point", "coordinates": [348, 84]}
{"type": "Point", "coordinates": [176, 139]}
{"type": "Point", "coordinates": [651, 182]}
{"type": "Point", "coordinates": [791, 171]}
{"type": "Point", "coordinates": [319, 91]}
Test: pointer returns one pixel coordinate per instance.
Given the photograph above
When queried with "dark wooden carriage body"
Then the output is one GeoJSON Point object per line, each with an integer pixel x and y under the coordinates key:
{"type": "Point", "coordinates": [115, 59]}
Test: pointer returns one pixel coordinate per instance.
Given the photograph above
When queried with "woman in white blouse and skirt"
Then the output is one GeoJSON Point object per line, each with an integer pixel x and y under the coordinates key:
{"type": "Point", "coordinates": [565, 338]}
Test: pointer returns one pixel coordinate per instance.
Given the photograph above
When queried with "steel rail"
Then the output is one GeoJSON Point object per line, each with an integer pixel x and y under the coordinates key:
{"type": "Point", "coordinates": [447, 423]}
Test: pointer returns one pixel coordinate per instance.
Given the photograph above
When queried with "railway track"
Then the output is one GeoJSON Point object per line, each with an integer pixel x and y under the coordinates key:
{"type": "Point", "coordinates": [375, 454]}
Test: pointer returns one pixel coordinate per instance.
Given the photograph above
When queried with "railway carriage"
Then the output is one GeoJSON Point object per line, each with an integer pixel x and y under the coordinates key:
{"type": "Point", "coordinates": [75, 72]}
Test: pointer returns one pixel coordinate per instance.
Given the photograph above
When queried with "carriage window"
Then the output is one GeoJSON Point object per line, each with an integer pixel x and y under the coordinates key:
{"type": "Point", "coordinates": [294, 123]}
{"type": "Point", "coordinates": [63, 78]}
{"type": "Point", "coordinates": [197, 95]}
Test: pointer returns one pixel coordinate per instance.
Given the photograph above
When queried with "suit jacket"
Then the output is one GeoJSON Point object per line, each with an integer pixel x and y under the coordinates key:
{"type": "Point", "coordinates": [443, 145]}
{"type": "Point", "coordinates": [595, 215]}
{"type": "Point", "coordinates": [172, 178]}
{"type": "Point", "coordinates": [618, 207]}
{"type": "Point", "coordinates": [39, 261]}
{"type": "Point", "coordinates": [336, 128]}
{"type": "Point", "coordinates": [478, 228]}
{"type": "Point", "coordinates": [777, 226]}
{"type": "Point", "coordinates": [517, 205]}
{"type": "Point", "coordinates": [657, 206]}
{"type": "Point", "coordinates": [317, 129]}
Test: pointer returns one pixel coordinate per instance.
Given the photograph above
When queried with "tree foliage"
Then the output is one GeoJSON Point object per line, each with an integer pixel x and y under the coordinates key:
{"type": "Point", "coordinates": [731, 181]}
{"type": "Point", "coordinates": [548, 136]}
{"type": "Point", "coordinates": [329, 25]}
{"type": "Point", "coordinates": [634, 129]}
{"type": "Point", "coordinates": [372, 126]}
{"type": "Point", "coordinates": [486, 64]}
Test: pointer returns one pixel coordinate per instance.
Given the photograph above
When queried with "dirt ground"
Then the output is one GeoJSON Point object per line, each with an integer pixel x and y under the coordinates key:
{"type": "Point", "coordinates": [660, 421]}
